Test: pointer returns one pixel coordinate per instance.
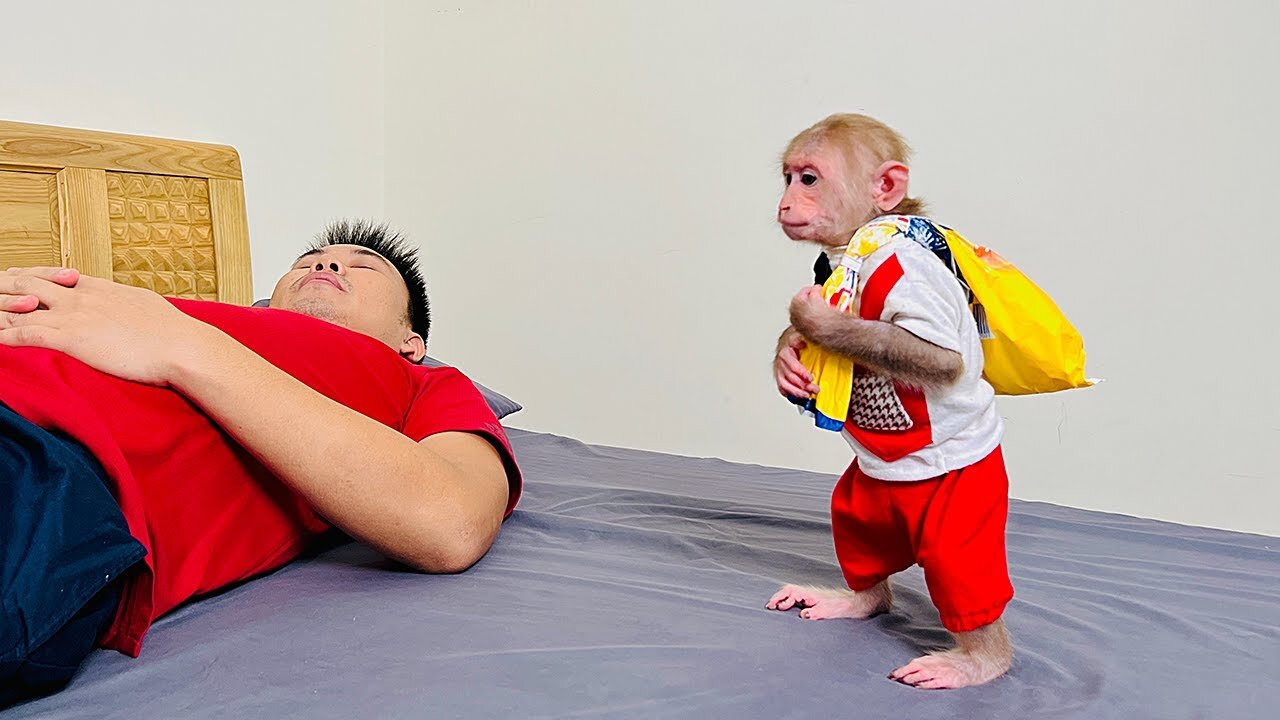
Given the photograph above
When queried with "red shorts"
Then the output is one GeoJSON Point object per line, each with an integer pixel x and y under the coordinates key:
{"type": "Point", "coordinates": [952, 525]}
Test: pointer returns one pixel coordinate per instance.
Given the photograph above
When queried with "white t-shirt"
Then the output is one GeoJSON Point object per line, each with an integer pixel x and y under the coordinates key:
{"type": "Point", "coordinates": [900, 432]}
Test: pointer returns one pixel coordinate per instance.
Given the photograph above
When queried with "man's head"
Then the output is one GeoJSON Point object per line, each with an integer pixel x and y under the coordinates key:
{"type": "Point", "coordinates": [841, 173]}
{"type": "Point", "coordinates": [364, 277]}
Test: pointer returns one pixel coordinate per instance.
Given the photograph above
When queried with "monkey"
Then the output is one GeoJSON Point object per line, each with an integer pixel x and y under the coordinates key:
{"type": "Point", "coordinates": [928, 483]}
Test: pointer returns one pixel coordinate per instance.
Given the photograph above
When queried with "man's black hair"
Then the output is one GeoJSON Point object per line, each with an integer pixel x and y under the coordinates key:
{"type": "Point", "coordinates": [396, 249]}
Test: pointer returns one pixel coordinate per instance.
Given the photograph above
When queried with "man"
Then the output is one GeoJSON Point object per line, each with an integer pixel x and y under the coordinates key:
{"type": "Point", "coordinates": [153, 449]}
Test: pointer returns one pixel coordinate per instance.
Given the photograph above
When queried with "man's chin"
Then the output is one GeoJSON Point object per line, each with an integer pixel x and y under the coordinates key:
{"type": "Point", "coordinates": [314, 307]}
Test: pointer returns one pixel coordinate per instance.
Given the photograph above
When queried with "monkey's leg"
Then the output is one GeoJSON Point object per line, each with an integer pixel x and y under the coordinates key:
{"type": "Point", "coordinates": [828, 603]}
{"type": "Point", "coordinates": [979, 656]}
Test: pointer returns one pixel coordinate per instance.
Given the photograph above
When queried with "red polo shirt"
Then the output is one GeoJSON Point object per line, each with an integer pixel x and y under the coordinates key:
{"type": "Point", "coordinates": [208, 513]}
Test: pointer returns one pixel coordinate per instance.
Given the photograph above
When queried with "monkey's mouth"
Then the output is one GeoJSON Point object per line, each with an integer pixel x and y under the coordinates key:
{"type": "Point", "coordinates": [794, 230]}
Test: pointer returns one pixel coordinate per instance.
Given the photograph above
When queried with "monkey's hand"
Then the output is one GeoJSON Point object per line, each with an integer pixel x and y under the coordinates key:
{"type": "Point", "coordinates": [809, 309]}
{"type": "Point", "coordinates": [793, 378]}
{"type": "Point", "coordinates": [882, 346]}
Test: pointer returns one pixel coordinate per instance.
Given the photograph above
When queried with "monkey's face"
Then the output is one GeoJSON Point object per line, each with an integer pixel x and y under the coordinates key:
{"type": "Point", "coordinates": [821, 203]}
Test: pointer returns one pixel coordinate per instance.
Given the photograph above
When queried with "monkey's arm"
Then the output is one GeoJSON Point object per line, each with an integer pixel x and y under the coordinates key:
{"type": "Point", "coordinates": [791, 376]}
{"type": "Point", "coordinates": [882, 346]}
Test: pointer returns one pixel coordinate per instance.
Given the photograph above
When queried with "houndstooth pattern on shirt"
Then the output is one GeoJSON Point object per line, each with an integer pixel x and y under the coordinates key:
{"type": "Point", "coordinates": [874, 404]}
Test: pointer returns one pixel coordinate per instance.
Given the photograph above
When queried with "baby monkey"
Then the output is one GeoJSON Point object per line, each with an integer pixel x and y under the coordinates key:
{"type": "Point", "coordinates": [927, 484]}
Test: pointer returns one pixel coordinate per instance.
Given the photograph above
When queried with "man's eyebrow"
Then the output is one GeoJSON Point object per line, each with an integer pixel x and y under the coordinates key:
{"type": "Point", "coordinates": [370, 253]}
{"type": "Point", "coordinates": [357, 251]}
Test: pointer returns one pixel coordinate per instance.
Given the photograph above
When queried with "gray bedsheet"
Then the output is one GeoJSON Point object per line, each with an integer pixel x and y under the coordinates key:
{"type": "Point", "coordinates": [632, 584]}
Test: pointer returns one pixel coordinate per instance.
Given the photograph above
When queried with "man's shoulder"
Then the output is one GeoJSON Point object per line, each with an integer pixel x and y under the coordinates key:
{"type": "Point", "coordinates": [266, 323]}
{"type": "Point", "coordinates": [315, 351]}
{"type": "Point", "coordinates": [215, 313]}
{"type": "Point", "coordinates": [442, 384]}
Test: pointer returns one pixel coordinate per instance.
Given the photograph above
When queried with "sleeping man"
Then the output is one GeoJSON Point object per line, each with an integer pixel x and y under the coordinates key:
{"type": "Point", "coordinates": [152, 450]}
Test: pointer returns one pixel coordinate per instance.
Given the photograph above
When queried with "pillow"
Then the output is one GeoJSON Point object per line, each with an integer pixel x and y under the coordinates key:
{"type": "Point", "coordinates": [500, 404]}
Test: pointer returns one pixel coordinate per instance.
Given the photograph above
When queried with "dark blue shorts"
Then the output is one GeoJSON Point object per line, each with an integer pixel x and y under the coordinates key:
{"type": "Point", "coordinates": [63, 546]}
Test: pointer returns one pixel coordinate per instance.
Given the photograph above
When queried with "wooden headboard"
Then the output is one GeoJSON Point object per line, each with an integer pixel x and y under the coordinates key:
{"type": "Point", "coordinates": [160, 214]}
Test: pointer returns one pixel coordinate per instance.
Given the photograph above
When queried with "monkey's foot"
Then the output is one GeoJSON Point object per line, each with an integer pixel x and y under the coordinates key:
{"type": "Point", "coordinates": [827, 603]}
{"type": "Point", "coordinates": [953, 669]}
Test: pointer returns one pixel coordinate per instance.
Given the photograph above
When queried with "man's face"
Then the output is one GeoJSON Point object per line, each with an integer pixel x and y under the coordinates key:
{"type": "Point", "coordinates": [351, 286]}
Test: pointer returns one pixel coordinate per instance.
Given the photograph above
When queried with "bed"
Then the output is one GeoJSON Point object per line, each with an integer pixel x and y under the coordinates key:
{"type": "Point", "coordinates": [632, 584]}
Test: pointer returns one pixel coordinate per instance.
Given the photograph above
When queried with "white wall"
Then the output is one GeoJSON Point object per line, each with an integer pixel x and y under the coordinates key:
{"type": "Point", "coordinates": [580, 175]}
{"type": "Point", "coordinates": [296, 87]}
{"type": "Point", "coordinates": [593, 184]}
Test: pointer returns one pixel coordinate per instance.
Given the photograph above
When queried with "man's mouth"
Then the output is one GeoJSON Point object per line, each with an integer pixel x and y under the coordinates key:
{"type": "Point", "coordinates": [323, 277]}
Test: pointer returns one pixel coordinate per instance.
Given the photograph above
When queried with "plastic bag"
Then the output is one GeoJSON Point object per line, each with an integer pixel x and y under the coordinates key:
{"type": "Point", "coordinates": [1029, 345]}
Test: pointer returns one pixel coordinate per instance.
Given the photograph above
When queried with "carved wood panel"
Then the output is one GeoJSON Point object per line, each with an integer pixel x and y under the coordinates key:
{"type": "Point", "coordinates": [162, 234]}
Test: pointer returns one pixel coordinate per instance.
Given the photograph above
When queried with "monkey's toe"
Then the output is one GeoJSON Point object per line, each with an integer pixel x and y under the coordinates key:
{"type": "Point", "coordinates": [786, 598]}
{"type": "Point", "coordinates": [946, 671]}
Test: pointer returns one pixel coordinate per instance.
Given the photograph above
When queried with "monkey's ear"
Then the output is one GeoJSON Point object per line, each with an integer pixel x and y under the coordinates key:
{"type": "Point", "coordinates": [889, 185]}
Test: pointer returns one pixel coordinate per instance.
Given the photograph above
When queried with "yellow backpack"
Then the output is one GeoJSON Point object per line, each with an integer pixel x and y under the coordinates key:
{"type": "Point", "coordinates": [1029, 346]}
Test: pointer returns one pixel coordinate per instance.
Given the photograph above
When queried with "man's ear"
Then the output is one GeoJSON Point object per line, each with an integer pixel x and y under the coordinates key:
{"type": "Point", "coordinates": [414, 348]}
{"type": "Point", "coordinates": [889, 185]}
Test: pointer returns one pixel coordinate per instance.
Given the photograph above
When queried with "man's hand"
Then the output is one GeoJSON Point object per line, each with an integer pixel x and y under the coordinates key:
{"type": "Point", "coordinates": [793, 378]}
{"type": "Point", "coordinates": [22, 303]}
{"type": "Point", "coordinates": [124, 331]}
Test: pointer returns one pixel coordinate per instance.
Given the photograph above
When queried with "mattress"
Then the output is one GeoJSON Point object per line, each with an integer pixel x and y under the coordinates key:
{"type": "Point", "coordinates": [632, 584]}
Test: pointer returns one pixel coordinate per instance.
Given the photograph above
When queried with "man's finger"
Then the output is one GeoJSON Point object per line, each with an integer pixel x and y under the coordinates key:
{"type": "Point", "coordinates": [18, 303]}
{"type": "Point", "coordinates": [49, 293]}
{"type": "Point", "coordinates": [66, 277]}
{"type": "Point", "coordinates": [29, 336]}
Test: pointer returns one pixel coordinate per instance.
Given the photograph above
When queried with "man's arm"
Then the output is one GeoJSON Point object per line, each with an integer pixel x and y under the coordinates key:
{"type": "Point", "coordinates": [435, 505]}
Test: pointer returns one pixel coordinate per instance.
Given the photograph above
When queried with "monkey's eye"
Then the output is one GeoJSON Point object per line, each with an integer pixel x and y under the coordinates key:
{"type": "Point", "coordinates": [808, 178]}
{"type": "Point", "coordinates": [786, 178]}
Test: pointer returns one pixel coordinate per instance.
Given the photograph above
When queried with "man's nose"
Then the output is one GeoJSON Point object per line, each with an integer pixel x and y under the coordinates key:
{"type": "Point", "coordinates": [331, 265]}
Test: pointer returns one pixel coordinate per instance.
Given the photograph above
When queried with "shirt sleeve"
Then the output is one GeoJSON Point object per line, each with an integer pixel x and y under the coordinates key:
{"type": "Point", "coordinates": [921, 304]}
{"type": "Point", "coordinates": [446, 401]}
